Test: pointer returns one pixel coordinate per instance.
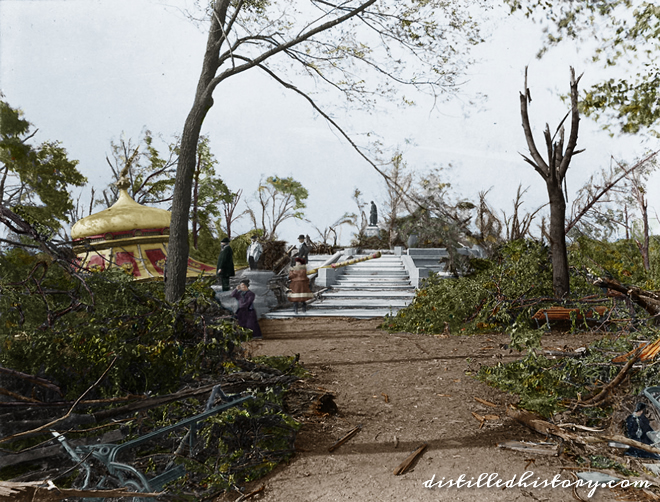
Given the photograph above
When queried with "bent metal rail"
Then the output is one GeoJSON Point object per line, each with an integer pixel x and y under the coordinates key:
{"type": "Point", "coordinates": [128, 476]}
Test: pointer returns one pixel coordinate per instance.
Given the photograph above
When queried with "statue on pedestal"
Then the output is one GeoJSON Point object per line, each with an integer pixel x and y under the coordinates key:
{"type": "Point", "coordinates": [373, 215]}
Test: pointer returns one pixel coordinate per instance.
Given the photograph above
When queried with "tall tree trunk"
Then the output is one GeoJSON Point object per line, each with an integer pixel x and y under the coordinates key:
{"type": "Point", "coordinates": [178, 248]}
{"type": "Point", "coordinates": [195, 218]}
{"type": "Point", "coordinates": [177, 251]}
{"type": "Point", "coordinates": [560, 276]}
{"type": "Point", "coordinates": [553, 172]}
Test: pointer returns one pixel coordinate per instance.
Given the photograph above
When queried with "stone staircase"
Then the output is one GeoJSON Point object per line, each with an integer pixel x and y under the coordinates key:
{"type": "Point", "coordinates": [372, 288]}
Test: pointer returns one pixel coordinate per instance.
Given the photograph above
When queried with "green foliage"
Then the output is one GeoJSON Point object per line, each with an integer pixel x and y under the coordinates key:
{"type": "Point", "coordinates": [546, 385]}
{"type": "Point", "coordinates": [289, 186]}
{"type": "Point", "coordinates": [279, 199]}
{"type": "Point", "coordinates": [627, 36]}
{"type": "Point", "coordinates": [602, 462]}
{"type": "Point", "coordinates": [68, 332]}
{"type": "Point", "coordinates": [209, 191]}
{"type": "Point", "coordinates": [246, 443]}
{"type": "Point", "coordinates": [34, 180]}
{"type": "Point", "coordinates": [620, 260]}
{"type": "Point", "coordinates": [209, 247]}
{"type": "Point", "coordinates": [483, 301]}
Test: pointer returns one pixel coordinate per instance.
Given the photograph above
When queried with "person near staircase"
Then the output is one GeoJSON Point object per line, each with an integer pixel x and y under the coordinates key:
{"type": "Point", "coordinates": [299, 291]}
{"type": "Point", "coordinates": [246, 316]}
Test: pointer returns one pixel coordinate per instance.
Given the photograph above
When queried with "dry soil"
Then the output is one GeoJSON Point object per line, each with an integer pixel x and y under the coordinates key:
{"type": "Point", "coordinates": [404, 390]}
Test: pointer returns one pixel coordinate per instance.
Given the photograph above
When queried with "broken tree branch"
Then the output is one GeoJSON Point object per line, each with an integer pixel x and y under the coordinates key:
{"type": "Point", "coordinates": [348, 436]}
{"type": "Point", "coordinates": [407, 463]}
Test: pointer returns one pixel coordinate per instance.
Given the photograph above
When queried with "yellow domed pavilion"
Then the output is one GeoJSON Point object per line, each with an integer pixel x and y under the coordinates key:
{"type": "Point", "coordinates": [128, 235]}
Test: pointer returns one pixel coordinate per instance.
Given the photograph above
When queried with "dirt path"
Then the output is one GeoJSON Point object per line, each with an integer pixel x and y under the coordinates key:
{"type": "Point", "coordinates": [430, 399]}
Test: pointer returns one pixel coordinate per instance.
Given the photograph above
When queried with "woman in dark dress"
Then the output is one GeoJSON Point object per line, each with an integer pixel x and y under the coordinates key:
{"type": "Point", "coordinates": [245, 314]}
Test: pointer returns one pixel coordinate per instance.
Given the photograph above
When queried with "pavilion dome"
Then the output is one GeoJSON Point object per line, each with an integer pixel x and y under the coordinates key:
{"type": "Point", "coordinates": [124, 216]}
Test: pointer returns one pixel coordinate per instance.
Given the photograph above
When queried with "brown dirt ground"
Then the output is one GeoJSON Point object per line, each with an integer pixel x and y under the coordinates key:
{"type": "Point", "coordinates": [430, 389]}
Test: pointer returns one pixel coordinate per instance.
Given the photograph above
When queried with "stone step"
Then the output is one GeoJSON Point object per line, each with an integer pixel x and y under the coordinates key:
{"type": "Point", "coordinates": [361, 266]}
{"type": "Point", "coordinates": [313, 312]}
{"type": "Point", "coordinates": [358, 303]}
{"type": "Point", "coordinates": [372, 272]}
{"type": "Point", "coordinates": [370, 287]}
{"type": "Point", "coordinates": [356, 293]}
{"type": "Point", "coordinates": [360, 279]}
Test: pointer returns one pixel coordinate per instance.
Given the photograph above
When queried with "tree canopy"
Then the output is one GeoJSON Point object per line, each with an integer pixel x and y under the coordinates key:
{"type": "Point", "coordinates": [34, 179]}
{"type": "Point", "coordinates": [279, 199]}
{"type": "Point", "coordinates": [627, 35]}
{"type": "Point", "coordinates": [364, 49]}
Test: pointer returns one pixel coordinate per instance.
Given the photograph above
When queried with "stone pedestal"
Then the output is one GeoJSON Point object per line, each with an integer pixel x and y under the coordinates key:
{"type": "Point", "coordinates": [372, 231]}
{"type": "Point", "coordinates": [264, 297]}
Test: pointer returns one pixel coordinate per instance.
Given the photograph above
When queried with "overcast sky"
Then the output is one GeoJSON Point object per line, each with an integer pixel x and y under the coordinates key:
{"type": "Point", "coordinates": [86, 71]}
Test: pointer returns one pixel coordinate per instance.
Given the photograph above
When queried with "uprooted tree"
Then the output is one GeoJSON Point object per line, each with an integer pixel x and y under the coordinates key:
{"type": "Point", "coordinates": [346, 45]}
{"type": "Point", "coordinates": [553, 172]}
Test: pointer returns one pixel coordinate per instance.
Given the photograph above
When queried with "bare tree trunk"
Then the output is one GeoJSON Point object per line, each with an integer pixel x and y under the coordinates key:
{"type": "Point", "coordinates": [560, 277]}
{"type": "Point", "coordinates": [553, 173]}
{"type": "Point", "coordinates": [644, 246]}
{"type": "Point", "coordinates": [177, 252]}
{"type": "Point", "coordinates": [195, 204]}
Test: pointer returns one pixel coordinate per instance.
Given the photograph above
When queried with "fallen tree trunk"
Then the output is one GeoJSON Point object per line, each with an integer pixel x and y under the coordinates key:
{"type": "Point", "coordinates": [648, 300]}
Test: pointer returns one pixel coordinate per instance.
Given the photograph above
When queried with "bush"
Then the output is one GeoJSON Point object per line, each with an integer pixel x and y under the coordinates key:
{"type": "Point", "coordinates": [620, 260]}
{"type": "Point", "coordinates": [70, 331]}
{"type": "Point", "coordinates": [548, 386]}
{"type": "Point", "coordinates": [487, 299]}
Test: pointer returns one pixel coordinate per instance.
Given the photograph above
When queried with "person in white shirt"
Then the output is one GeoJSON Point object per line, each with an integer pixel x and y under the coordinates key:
{"type": "Point", "coordinates": [254, 253]}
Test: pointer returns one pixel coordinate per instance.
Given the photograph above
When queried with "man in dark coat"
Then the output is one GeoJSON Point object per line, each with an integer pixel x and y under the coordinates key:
{"type": "Point", "coordinates": [637, 426]}
{"type": "Point", "coordinates": [246, 316]}
{"type": "Point", "coordinates": [303, 250]}
{"type": "Point", "coordinates": [225, 268]}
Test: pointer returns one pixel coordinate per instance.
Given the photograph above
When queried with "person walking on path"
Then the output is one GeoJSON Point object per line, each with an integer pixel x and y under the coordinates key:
{"type": "Point", "coordinates": [225, 268]}
{"type": "Point", "coordinates": [246, 316]}
{"type": "Point", "coordinates": [254, 253]}
{"type": "Point", "coordinates": [299, 288]}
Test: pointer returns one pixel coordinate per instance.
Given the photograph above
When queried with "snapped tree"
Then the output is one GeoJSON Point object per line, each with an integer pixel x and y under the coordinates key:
{"type": "Point", "coordinates": [626, 35]}
{"type": "Point", "coordinates": [553, 172]}
{"type": "Point", "coordinates": [347, 45]}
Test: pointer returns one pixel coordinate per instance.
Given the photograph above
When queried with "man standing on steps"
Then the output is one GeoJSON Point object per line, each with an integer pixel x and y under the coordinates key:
{"type": "Point", "coordinates": [225, 268]}
{"type": "Point", "coordinates": [303, 251]}
{"type": "Point", "coordinates": [254, 252]}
